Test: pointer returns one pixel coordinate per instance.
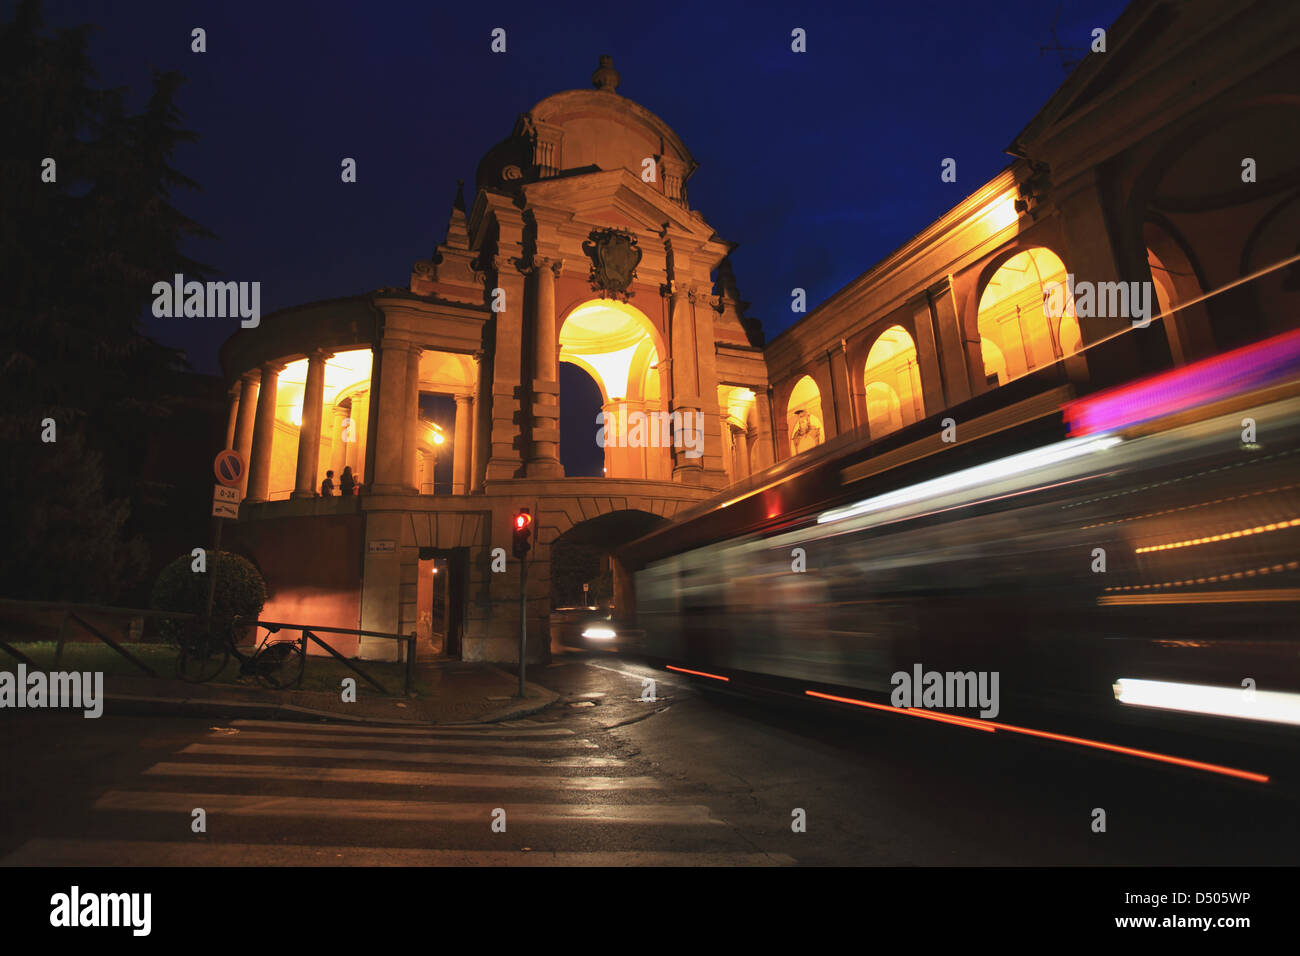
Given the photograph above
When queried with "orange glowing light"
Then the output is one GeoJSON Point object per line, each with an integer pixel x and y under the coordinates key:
{"type": "Point", "coordinates": [990, 726]}
{"type": "Point", "coordinates": [1244, 532]}
{"type": "Point", "coordinates": [686, 670]}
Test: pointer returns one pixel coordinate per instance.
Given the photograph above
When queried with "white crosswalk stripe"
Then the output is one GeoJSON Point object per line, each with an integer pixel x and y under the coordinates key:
{"type": "Point", "coordinates": [434, 733]}
{"type": "Point", "coordinates": [62, 852]}
{"type": "Point", "coordinates": [397, 756]}
{"type": "Point", "coordinates": [410, 778]}
{"type": "Point", "coordinates": [493, 743]}
{"type": "Point", "coordinates": [360, 809]}
{"type": "Point", "coordinates": [307, 790]}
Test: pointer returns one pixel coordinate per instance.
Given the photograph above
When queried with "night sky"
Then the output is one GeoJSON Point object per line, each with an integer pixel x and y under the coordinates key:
{"type": "Point", "coordinates": [817, 164]}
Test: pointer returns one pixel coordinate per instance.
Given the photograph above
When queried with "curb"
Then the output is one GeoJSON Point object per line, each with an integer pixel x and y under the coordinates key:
{"type": "Point", "coordinates": [216, 707]}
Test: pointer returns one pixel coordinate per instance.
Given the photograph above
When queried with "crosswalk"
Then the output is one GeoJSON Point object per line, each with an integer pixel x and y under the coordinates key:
{"type": "Point", "coordinates": [286, 793]}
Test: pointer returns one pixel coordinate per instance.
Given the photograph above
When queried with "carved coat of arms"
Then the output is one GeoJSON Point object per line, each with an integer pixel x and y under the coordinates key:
{"type": "Point", "coordinates": [614, 258]}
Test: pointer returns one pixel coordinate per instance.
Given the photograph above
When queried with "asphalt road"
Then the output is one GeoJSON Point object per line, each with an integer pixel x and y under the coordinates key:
{"type": "Point", "coordinates": [608, 778]}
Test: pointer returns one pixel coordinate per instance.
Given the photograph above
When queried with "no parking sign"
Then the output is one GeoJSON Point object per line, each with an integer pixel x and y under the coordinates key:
{"type": "Point", "coordinates": [228, 466]}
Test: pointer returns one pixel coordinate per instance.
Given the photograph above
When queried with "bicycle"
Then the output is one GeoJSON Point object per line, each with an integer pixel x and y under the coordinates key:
{"type": "Point", "coordinates": [278, 664]}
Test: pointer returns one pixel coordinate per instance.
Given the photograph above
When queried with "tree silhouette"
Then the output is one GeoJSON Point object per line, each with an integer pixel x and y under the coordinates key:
{"type": "Point", "coordinates": [81, 254]}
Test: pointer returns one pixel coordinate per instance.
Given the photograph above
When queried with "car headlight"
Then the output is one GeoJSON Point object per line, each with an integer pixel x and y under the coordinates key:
{"type": "Point", "coordinates": [599, 633]}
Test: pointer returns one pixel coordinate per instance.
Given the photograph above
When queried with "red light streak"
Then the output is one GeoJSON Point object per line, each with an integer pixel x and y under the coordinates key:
{"type": "Point", "coordinates": [685, 670]}
{"type": "Point", "coordinates": [990, 726]}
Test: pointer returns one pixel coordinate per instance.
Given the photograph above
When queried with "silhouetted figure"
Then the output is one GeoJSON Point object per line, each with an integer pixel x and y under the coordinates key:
{"type": "Point", "coordinates": [347, 484]}
{"type": "Point", "coordinates": [327, 486]}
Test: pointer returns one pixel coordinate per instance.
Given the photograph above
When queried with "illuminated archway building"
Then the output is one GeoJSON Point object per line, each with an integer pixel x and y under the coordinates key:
{"type": "Point", "coordinates": [580, 246]}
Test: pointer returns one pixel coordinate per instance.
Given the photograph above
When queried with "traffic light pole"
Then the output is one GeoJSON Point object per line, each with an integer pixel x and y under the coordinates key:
{"type": "Point", "coordinates": [523, 620]}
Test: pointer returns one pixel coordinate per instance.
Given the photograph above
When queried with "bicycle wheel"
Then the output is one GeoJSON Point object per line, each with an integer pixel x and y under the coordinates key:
{"type": "Point", "coordinates": [200, 661]}
{"type": "Point", "coordinates": [280, 665]}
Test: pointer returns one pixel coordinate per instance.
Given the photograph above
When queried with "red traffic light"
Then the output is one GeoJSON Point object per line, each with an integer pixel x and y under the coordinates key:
{"type": "Point", "coordinates": [523, 532]}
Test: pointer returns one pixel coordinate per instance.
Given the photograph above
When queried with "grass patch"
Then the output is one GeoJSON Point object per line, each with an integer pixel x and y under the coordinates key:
{"type": "Point", "coordinates": [321, 673]}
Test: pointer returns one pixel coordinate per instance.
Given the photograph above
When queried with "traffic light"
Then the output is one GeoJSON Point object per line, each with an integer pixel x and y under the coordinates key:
{"type": "Point", "coordinates": [523, 532]}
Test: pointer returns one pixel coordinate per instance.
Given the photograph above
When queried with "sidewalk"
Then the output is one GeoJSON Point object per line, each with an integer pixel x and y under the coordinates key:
{"type": "Point", "coordinates": [463, 692]}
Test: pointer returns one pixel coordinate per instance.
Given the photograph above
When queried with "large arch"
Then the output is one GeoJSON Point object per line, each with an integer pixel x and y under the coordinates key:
{"type": "Point", "coordinates": [1210, 231]}
{"type": "Point", "coordinates": [892, 378]}
{"type": "Point", "coordinates": [1025, 317]}
{"type": "Point", "coordinates": [803, 416]}
{"type": "Point", "coordinates": [738, 410]}
{"type": "Point", "coordinates": [343, 431]}
{"type": "Point", "coordinates": [618, 346]}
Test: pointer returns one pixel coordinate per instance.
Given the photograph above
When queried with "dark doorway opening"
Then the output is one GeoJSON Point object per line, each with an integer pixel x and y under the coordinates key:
{"type": "Point", "coordinates": [442, 591]}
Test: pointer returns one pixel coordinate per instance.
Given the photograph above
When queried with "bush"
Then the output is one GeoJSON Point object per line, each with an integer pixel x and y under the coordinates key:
{"type": "Point", "coordinates": [240, 592]}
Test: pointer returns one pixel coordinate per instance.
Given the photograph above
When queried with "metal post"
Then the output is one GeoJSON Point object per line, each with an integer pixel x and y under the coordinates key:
{"type": "Point", "coordinates": [410, 662]}
{"type": "Point", "coordinates": [212, 572]}
{"type": "Point", "coordinates": [523, 620]}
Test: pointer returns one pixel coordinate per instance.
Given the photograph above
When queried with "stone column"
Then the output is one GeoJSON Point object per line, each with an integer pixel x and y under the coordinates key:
{"type": "Point", "coordinates": [841, 401]}
{"type": "Point", "coordinates": [461, 451]}
{"type": "Point", "coordinates": [704, 307]}
{"type": "Point", "coordinates": [337, 450]}
{"type": "Point", "coordinates": [411, 441]}
{"type": "Point", "coordinates": [391, 423]}
{"type": "Point", "coordinates": [313, 400]}
{"type": "Point", "coordinates": [360, 428]}
{"type": "Point", "coordinates": [248, 389]}
{"type": "Point", "coordinates": [234, 413]}
{"type": "Point", "coordinates": [742, 453]}
{"type": "Point", "coordinates": [428, 467]}
{"type": "Point", "coordinates": [544, 450]}
{"type": "Point", "coordinates": [259, 465]}
{"type": "Point", "coordinates": [765, 436]}
{"type": "Point", "coordinates": [1094, 254]}
{"type": "Point", "coordinates": [507, 415]}
{"type": "Point", "coordinates": [482, 424]}
{"type": "Point", "coordinates": [685, 397]}
{"type": "Point", "coordinates": [952, 345]}
{"type": "Point", "coordinates": [621, 460]}
{"type": "Point", "coordinates": [927, 357]}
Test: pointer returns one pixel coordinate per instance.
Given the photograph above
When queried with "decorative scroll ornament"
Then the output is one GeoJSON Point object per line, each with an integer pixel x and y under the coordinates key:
{"type": "Point", "coordinates": [614, 258]}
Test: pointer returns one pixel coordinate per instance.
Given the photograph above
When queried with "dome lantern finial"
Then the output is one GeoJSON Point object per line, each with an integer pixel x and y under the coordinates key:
{"type": "Point", "coordinates": [606, 77]}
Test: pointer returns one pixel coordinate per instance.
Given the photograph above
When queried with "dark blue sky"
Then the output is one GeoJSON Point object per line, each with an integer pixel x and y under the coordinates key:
{"type": "Point", "coordinates": [817, 164]}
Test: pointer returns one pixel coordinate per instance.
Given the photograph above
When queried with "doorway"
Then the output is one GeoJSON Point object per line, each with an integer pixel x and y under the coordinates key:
{"type": "Point", "coordinates": [441, 593]}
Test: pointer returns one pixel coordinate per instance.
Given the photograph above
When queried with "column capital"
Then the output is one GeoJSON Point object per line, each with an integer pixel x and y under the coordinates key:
{"type": "Point", "coordinates": [506, 264]}
{"type": "Point", "coordinates": [541, 263]}
{"type": "Point", "coordinates": [271, 368]}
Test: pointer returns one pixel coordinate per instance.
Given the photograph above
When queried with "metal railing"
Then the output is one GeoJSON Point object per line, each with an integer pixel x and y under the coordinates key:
{"type": "Point", "coordinates": [309, 634]}
{"type": "Point", "coordinates": [76, 614]}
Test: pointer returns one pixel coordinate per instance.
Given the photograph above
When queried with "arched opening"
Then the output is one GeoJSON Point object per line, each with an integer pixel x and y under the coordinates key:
{"type": "Point", "coordinates": [617, 347]}
{"type": "Point", "coordinates": [580, 403]}
{"type": "Point", "coordinates": [1206, 232]}
{"type": "Point", "coordinates": [343, 420]}
{"type": "Point", "coordinates": [893, 383]}
{"type": "Point", "coordinates": [445, 432]}
{"type": "Point", "coordinates": [737, 409]}
{"type": "Point", "coordinates": [1027, 316]}
{"type": "Point", "coordinates": [1174, 279]}
{"type": "Point", "coordinates": [803, 416]}
{"type": "Point", "coordinates": [585, 570]}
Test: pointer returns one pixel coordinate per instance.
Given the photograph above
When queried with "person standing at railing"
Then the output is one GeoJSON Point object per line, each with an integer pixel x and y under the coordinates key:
{"type": "Point", "coordinates": [347, 484]}
{"type": "Point", "coordinates": [327, 486]}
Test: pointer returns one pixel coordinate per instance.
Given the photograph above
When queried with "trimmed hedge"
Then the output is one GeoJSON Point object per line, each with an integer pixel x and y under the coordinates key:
{"type": "Point", "coordinates": [241, 592]}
